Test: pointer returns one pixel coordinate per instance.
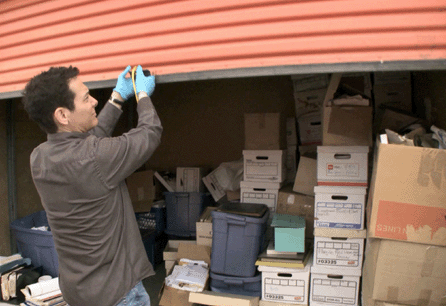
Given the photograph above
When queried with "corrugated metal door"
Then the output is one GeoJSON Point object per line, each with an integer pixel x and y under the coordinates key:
{"type": "Point", "coordinates": [183, 37]}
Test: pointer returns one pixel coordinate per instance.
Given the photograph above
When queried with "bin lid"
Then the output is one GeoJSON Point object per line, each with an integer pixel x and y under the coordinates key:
{"type": "Point", "coordinates": [284, 220]}
{"type": "Point", "coordinates": [244, 209]}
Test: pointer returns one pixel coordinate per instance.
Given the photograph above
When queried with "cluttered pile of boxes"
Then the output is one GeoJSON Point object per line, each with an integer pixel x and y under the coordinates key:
{"type": "Point", "coordinates": [355, 239]}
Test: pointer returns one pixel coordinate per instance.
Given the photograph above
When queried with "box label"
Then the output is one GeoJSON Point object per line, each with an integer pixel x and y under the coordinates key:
{"type": "Point", "coordinates": [339, 254]}
{"type": "Point", "coordinates": [281, 289]}
{"type": "Point", "coordinates": [411, 222]}
{"type": "Point", "coordinates": [342, 169]}
{"type": "Point", "coordinates": [334, 291]}
{"type": "Point", "coordinates": [338, 215]}
{"type": "Point", "coordinates": [262, 168]}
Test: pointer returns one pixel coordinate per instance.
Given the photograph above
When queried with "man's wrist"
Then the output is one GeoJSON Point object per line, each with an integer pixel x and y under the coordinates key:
{"type": "Point", "coordinates": [116, 99]}
{"type": "Point", "coordinates": [142, 94]}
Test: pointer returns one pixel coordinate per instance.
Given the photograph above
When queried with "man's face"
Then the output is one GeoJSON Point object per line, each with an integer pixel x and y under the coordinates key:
{"type": "Point", "coordinates": [83, 117]}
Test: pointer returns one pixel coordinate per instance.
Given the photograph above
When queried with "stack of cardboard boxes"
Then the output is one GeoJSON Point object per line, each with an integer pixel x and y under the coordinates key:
{"type": "Point", "coordinates": [405, 257]}
{"type": "Point", "coordinates": [264, 160]}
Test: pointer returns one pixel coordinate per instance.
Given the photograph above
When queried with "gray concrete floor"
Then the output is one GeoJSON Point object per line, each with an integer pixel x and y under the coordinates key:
{"type": "Point", "coordinates": [153, 284]}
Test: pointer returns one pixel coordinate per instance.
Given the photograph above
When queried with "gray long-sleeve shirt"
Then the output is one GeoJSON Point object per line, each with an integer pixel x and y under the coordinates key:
{"type": "Point", "coordinates": [80, 178]}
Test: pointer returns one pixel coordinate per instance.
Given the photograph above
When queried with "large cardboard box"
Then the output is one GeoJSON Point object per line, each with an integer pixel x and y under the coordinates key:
{"type": "Point", "coordinates": [175, 297]}
{"type": "Point", "coordinates": [264, 165]}
{"type": "Point", "coordinates": [265, 131]}
{"type": "Point", "coordinates": [407, 197]}
{"type": "Point", "coordinates": [346, 125]}
{"type": "Point", "coordinates": [404, 273]}
{"type": "Point", "coordinates": [142, 190]}
{"type": "Point", "coordinates": [296, 204]}
{"type": "Point", "coordinates": [306, 176]}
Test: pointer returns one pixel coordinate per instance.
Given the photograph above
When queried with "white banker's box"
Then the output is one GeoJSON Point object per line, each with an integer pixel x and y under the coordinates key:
{"type": "Point", "coordinates": [189, 179]}
{"type": "Point", "coordinates": [260, 193]}
{"type": "Point", "coordinates": [264, 165]}
{"type": "Point", "coordinates": [339, 207]}
{"type": "Point", "coordinates": [334, 287]}
{"type": "Point", "coordinates": [286, 285]}
{"type": "Point", "coordinates": [342, 165]}
{"type": "Point", "coordinates": [338, 248]}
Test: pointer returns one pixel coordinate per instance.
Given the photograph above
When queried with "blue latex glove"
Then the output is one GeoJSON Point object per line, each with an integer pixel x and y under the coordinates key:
{"type": "Point", "coordinates": [124, 86]}
{"type": "Point", "coordinates": [144, 83]}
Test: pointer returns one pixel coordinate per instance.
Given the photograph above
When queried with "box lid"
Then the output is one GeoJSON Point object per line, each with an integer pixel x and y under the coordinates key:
{"type": "Point", "coordinates": [244, 209]}
{"type": "Point", "coordinates": [337, 271]}
{"type": "Point", "coordinates": [263, 185]}
{"type": "Point", "coordinates": [283, 220]}
{"type": "Point", "coordinates": [340, 190]}
{"type": "Point", "coordinates": [264, 152]}
{"type": "Point", "coordinates": [339, 232]}
{"type": "Point", "coordinates": [342, 149]}
{"type": "Point", "coordinates": [306, 269]}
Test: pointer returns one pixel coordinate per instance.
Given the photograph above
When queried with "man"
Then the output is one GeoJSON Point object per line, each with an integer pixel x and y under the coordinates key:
{"type": "Point", "coordinates": [79, 173]}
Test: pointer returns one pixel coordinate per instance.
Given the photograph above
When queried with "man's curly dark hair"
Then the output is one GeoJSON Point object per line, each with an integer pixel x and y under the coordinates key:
{"type": "Point", "coordinates": [47, 91]}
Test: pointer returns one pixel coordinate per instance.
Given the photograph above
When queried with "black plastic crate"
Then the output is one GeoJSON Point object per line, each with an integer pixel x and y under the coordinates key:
{"type": "Point", "coordinates": [153, 220]}
{"type": "Point", "coordinates": [154, 244]}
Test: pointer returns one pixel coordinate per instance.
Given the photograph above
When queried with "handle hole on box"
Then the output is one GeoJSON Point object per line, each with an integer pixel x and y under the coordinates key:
{"type": "Point", "coordinates": [335, 276]}
{"type": "Point", "coordinates": [284, 274]}
{"type": "Point", "coordinates": [339, 198]}
{"type": "Point", "coordinates": [342, 156]}
{"type": "Point", "coordinates": [315, 123]}
{"type": "Point", "coordinates": [338, 238]}
{"type": "Point", "coordinates": [259, 189]}
{"type": "Point", "coordinates": [262, 157]}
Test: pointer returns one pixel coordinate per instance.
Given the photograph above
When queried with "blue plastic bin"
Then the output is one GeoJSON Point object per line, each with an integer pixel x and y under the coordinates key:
{"type": "Point", "coordinates": [35, 244]}
{"type": "Point", "coordinates": [236, 243]}
{"type": "Point", "coordinates": [183, 210]}
{"type": "Point", "coordinates": [251, 286]}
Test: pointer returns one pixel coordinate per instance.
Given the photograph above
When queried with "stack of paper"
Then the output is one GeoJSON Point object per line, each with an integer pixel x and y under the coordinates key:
{"type": "Point", "coordinates": [44, 293]}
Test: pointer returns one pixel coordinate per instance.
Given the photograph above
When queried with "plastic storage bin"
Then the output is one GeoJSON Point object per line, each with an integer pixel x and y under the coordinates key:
{"type": "Point", "coordinates": [153, 220]}
{"type": "Point", "coordinates": [251, 286]}
{"type": "Point", "coordinates": [154, 243]}
{"type": "Point", "coordinates": [236, 242]}
{"type": "Point", "coordinates": [183, 210]}
{"type": "Point", "coordinates": [35, 244]}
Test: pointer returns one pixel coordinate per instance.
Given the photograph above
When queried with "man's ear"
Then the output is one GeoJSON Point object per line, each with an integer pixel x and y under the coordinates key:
{"type": "Point", "coordinates": [61, 115]}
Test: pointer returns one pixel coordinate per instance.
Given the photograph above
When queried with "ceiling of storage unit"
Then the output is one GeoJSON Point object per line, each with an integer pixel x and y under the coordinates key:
{"type": "Point", "coordinates": [183, 37]}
